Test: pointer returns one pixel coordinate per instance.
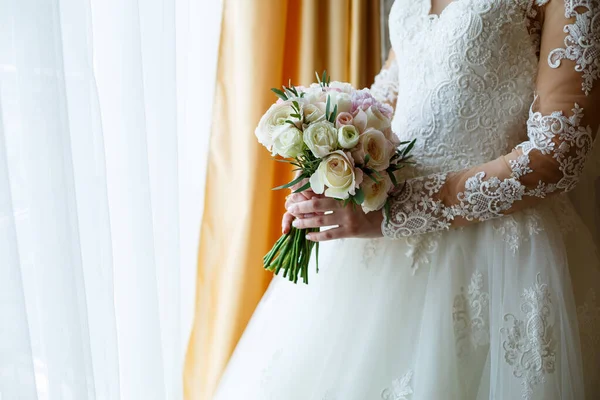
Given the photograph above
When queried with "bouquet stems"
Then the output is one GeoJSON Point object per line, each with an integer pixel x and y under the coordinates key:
{"type": "Point", "coordinates": [291, 253]}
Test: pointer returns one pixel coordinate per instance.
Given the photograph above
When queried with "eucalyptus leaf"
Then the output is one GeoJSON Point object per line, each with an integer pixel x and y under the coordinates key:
{"type": "Point", "coordinates": [292, 183]}
{"type": "Point", "coordinates": [280, 94]}
{"type": "Point", "coordinates": [303, 188]}
{"type": "Point", "coordinates": [359, 197]}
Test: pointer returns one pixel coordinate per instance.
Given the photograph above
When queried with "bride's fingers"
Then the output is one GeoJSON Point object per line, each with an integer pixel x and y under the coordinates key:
{"type": "Point", "coordinates": [329, 234]}
{"type": "Point", "coordinates": [286, 223]}
{"type": "Point", "coordinates": [316, 221]}
{"type": "Point", "coordinates": [314, 205]}
{"type": "Point", "coordinates": [294, 198]}
{"type": "Point", "coordinates": [298, 197]}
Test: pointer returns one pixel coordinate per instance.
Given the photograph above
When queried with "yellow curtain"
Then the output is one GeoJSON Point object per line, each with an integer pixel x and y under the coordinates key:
{"type": "Point", "coordinates": [263, 44]}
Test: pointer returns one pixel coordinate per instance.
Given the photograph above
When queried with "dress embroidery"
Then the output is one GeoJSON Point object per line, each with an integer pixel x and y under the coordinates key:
{"type": "Point", "coordinates": [518, 230]}
{"type": "Point", "coordinates": [400, 390]}
{"type": "Point", "coordinates": [529, 344]}
{"type": "Point", "coordinates": [369, 252]}
{"type": "Point", "coordinates": [470, 316]}
{"type": "Point", "coordinates": [582, 44]}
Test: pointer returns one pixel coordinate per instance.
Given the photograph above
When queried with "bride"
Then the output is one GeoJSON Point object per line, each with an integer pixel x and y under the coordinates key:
{"type": "Point", "coordinates": [484, 282]}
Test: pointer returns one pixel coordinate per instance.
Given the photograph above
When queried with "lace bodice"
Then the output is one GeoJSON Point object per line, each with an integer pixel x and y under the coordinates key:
{"type": "Point", "coordinates": [501, 97]}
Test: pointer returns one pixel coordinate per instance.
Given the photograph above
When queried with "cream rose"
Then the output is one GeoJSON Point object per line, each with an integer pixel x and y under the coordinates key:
{"type": "Point", "coordinates": [376, 193]}
{"type": "Point", "coordinates": [287, 142]}
{"type": "Point", "coordinates": [360, 120]}
{"type": "Point", "coordinates": [375, 144]}
{"type": "Point", "coordinates": [313, 112]}
{"type": "Point", "coordinates": [335, 176]}
{"type": "Point", "coordinates": [273, 120]}
{"type": "Point", "coordinates": [376, 120]}
{"type": "Point", "coordinates": [321, 138]}
{"type": "Point", "coordinates": [348, 136]}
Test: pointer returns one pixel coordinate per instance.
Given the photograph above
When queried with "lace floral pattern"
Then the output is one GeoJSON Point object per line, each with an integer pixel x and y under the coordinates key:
{"type": "Point", "coordinates": [414, 210]}
{"type": "Point", "coordinates": [582, 44]}
{"type": "Point", "coordinates": [470, 317]}
{"type": "Point", "coordinates": [559, 144]}
{"type": "Point", "coordinates": [369, 251]}
{"type": "Point", "coordinates": [565, 139]}
{"type": "Point", "coordinates": [401, 389]}
{"type": "Point", "coordinates": [515, 231]}
{"type": "Point", "coordinates": [529, 345]}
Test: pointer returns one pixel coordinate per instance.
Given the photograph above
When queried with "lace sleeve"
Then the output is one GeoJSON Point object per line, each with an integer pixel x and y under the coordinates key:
{"type": "Point", "coordinates": [563, 121]}
{"type": "Point", "coordinates": [385, 87]}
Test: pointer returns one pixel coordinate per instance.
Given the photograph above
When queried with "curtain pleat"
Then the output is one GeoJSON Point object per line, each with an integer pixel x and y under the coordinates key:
{"type": "Point", "coordinates": [263, 44]}
{"type": "Point", "coordinates": [97, 100]}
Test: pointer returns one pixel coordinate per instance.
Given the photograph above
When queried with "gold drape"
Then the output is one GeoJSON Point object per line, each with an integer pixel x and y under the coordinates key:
{"type": "Point", "coordinates": [263, 44]}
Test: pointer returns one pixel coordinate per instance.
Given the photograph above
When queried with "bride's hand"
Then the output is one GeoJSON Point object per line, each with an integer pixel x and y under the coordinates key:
{"type": "Point", "coordinates": [349, 221]}
{"type": "Point", "coordinates": [288, 217]}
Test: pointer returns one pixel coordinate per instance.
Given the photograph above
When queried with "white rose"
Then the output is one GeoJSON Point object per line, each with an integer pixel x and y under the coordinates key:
{"type": "Point", "coordinates": [376, 193]}
{"type": "Point", "coordinates": [342, 86]}
{"type": "Point", "coordinates": [343, 101]}
{"type": "Point", "coordinates": [348, 136]}
{"type": "Point", "coordinates": [313, 112]}
{"type": "Point", "coordinates": [336, 173]}
{"type": "Point", "coordinates": [374, 143]}
{"type": "Point", "coordinates": [287, 142]}
{"type": "Point", "coordinates": [273, 120]}
{"type": "Point", "coordinates": [375, 119]}
{"type": "Point", "coordinates": [315, 95]}
{"type": "Point", "coordinates": [321, 138]}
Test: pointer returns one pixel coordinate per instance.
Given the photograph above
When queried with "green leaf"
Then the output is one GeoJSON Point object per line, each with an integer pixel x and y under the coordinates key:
{"type": "Point", "coordinates": [279, 94]}
{"type": "Point", "coordinates": [292, 183]}
{"type": "Point", "coordinates": [290, 122]}
{"type": "Point", "coordinates": [327, 107]}
{"type": "Point", "coordinates": [359, 197]}
{"type": "Point", "coordinates": [303, 188]}
{"type": "Point", "coordinates": [296, 116]}
{"type": "Point", "coordinates": [393, 178]}
{"type": "Point", "coordinates": [296, 105]}
{"type": "Point", "coordinates": [333, 114]}
{"type": "Point", "coordinates": [318, 78]}
{"type": "Point", "coordinates": [372, 178]}
{"type": "Point", "coordinates": [367, 158]}
{"type": "Point", "coordinates": [386, 209]}
{"type": "Point", "coordinates": [409, 147]}
{"type": "Point", "coordinates": [324, 79]}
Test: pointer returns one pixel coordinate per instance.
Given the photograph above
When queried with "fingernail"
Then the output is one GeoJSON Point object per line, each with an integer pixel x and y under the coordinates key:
{"type": "Point", "coordinates": [295, 223]}
{"type": "Point", "coordinates": [308, 237]}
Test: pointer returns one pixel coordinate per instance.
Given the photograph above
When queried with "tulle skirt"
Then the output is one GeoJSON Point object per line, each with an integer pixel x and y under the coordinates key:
{"type": "Point", "coordinates": [504, 309]}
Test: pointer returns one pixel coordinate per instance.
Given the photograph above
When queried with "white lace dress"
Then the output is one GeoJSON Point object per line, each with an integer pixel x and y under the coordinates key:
{"type": "Point", "coordinates": [487, 283]}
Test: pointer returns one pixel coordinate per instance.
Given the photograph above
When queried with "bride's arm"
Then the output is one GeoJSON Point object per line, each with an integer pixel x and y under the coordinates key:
{"type": "Point", "coordinates": [385, 87]}
{"type": "Point", "coordinates": [562, 125]}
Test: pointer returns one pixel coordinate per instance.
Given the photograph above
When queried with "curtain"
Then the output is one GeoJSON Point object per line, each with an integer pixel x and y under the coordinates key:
{"type": "Point", "coordinates": [263, 44]}
{"type": "Point", "coordinates": [104, 117]}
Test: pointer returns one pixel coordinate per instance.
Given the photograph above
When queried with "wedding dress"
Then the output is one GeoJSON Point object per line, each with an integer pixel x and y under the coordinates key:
{"type": "Point", "coordinates": [486, 283]}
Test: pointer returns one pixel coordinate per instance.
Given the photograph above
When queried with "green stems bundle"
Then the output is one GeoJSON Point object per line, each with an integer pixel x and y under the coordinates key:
{"type": "Point", "coordinates": [291, 253]}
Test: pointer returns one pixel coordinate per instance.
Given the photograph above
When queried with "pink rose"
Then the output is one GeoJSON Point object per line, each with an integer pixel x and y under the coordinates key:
{"type": "Point", "coordinates": [343, 118]}
{"type": "Point", "coordinates": [360, 120]}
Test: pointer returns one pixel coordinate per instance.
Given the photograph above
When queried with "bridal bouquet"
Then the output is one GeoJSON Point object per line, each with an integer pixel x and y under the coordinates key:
{"type": "Point", "coordinates": [341, 142]}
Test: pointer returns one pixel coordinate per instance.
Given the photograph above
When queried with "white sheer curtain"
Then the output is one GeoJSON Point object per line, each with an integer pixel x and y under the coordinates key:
{"type": "Point", "coordinates": [104, 121]}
